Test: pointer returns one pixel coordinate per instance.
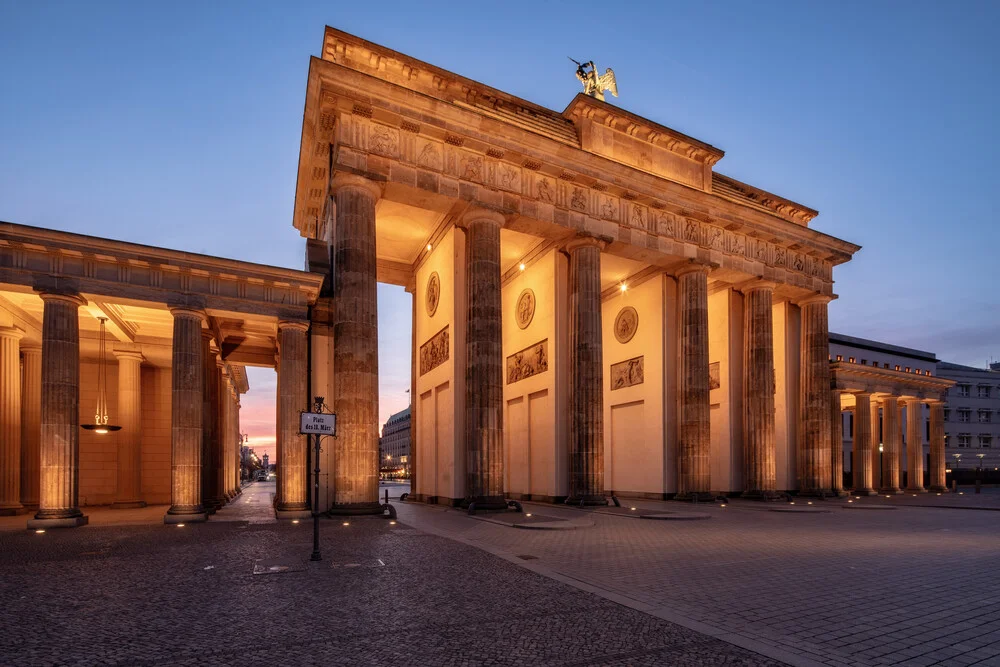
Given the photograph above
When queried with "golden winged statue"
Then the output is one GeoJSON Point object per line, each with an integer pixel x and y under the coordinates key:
{"type": "Point", "coordinates": [595, 84]}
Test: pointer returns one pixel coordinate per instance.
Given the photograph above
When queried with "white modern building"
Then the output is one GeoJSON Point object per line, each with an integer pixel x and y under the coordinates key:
{"type": "Point", "coordinates": [972, 415]}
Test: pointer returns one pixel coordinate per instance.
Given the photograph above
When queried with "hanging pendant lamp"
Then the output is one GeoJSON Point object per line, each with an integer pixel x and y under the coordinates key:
{"type": "Point", "coordinates": [101, 424]}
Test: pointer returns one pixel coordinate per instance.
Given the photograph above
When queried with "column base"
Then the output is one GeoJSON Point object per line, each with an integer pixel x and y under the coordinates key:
{"type": "Point", "coordinates": [127, 504]}
{"type": "Point", "coordinates": [938, 489]}
{"type": "Point", "coordinates": [69, 522]}
{"type": "Point", "coordinates": [840, 494]}
{"type": "Point", "coordinates": [172, 519]}
{"type": "Point", "coordinates": [920, 490]}
{"type": "Point", "coordinates": [11, 510]}
{"type": "Point", "coordinates": [864, 492]}
{"type": "Point", "coordinates": [585, 501]}
{"type": "Point", "coordinates": [695, 497]}
{"type": "Point", "coordinates": [355, 509]}
{"type": "Point", "coordinates": [895, 491]}
{"type": "Point", "coordinates": [292, 514]}
{"type": "Point", "coordinates": [758, 494]}
{"type": "Point", "coordinates": [486, 503]}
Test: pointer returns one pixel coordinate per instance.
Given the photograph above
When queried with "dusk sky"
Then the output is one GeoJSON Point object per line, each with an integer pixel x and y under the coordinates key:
{"type": "Point", "coordinates": [178, 125]}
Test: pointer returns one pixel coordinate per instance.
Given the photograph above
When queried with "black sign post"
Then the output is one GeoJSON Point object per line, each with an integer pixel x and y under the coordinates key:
{"type": "Point", "coordinates": [317, 424]}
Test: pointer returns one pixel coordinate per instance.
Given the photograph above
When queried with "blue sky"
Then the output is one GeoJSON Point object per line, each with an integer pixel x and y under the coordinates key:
{"type": "Point", "coordinates": [178, 124]}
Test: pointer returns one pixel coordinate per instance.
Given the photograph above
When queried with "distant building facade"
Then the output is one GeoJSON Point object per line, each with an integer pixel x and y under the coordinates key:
{"type": "Point", "coordinates": [972, 415]}
{"type": "Point", "coordinates": [394, 445]}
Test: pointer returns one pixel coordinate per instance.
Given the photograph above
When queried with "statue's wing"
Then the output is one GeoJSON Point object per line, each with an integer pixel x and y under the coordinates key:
{"type": "Point", "coordinates": [608, 82]}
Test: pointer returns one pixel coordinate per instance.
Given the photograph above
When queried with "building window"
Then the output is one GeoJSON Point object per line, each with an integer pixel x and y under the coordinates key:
{"type": "Point", "coordinates": [885, 365]}
{"type": "Point", "coordinates": [964, 415]}
{"type": "Point", "coordinates": [985, 416]}
{"type": "Point", "coordinates": [964, 439]}
{"type": "Point", "coordinates": [947, 441]}
{"type": "Point", "coordinates": [983, 391]}
{"type": "Point", "coordinates": [985, 441]}
{"type": "Point", "coordinates": [963, 390]}
{"type": "Point", "coordinates": [864, 362]}
{"type": "Point", "coordinates": [947, 415]}
{"type": "Point", "coordinates": [851, 359]}
{"type": "Point", "coordinates": [897, 367]}
{"type": "Point", "coordinates": [840, 357]}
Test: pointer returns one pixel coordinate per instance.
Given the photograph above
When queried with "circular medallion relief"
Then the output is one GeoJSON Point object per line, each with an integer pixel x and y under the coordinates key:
{"type": "Point", "coordinates": [626, 324]}
{"type": "Point", "coordinates": [433, 294]}
{"type": "Point", "coordinates": [525, 309]}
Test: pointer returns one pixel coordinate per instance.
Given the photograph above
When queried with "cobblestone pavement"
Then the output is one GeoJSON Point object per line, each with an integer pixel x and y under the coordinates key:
{"type": "Point", "coordinates": [854, 585]}
{"type": "Point", "coordinates": [114, 594]}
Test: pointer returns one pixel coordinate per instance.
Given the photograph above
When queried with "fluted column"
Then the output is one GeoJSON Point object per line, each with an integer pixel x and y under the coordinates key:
{"type": "Point", "coordinates": [484, 362]}
{"type": "Point", "coordinates": [10, 421]}
{"type": "Point", "coordinates": [862, 454]}
{"type": "Point", "coordinates": [31, 423]}
{"type": "Point", "coordinates": [760, 477]}
{"type": "Point", "coordinates": [292, 400]}
{"type": "Point", "coordinates": [876, 440]}
{"type": "Point", "coordinates": [210, 433]}
{"type": "Point", "coordinates": [186, 418]}
{"type": "Point", "coordinates": [586, 374]}
{"type": "Point", "coordinates": [238, 488]}
{"type": "Point", "coordinates": [914, 446]}
{"type": "Point", "coordinates": [814, 406]}
{"type": "Point", "coordinates": [60, 415]}
{"type": "Point", "coordinates": [355, 347]}
{"type": "Point", "coordinates": [223, 452]}
{"type": "Point", "coordinates": [694, 443]}
{"type": "Point", "coordinates": [891, 445]}
{"type": "Point", "coordinates": [836, 443]}
{"type": "Point", "coordinates": [128, 492]}
{"type": "Point", "coordinates": [937, 462]}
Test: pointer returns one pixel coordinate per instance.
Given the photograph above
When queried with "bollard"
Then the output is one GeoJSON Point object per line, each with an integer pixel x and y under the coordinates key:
{"type": "Point", "coordinates": [387, 496]}
{"type": "Point", "coordinates": [954, 485]}
{"type": "Point", "coordinates": [979, 483]}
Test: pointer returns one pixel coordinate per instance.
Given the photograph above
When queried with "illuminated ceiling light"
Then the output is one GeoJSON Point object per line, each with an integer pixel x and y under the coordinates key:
{"type": "Point", "coordinates": [624, 287]}
{"type": "Point", "coordinates": [429, 247]}
{"type": "Point", "coordinates": [101, 424]}
{"type": "Point", "coordinates": [521, 266]}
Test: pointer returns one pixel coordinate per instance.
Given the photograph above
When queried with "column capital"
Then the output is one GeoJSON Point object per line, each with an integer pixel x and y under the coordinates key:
{"type": "Point", "coordinates": [64, 296]}
{"type": "Point", "coordinates": [477, 214]}
{"type": "Point", "coordinates": [343, 181]}
{"type": "Point", "coordinates": [692, 266]}
{"type": "Point", "coordinates": [135, 355]}
{"type": "Point", "coordinates": [585, 242]}
{"type": "Point", "coordinates": [11, 332]}
{"type": "Point", "coordinates": [30, 348]}
{"type": "Point", "coordinates": [190, 313]}
{"type": "Point", "coordinates": [814, 299]}
{"type": "Point", "coordinates": [294, 325]}
{"type": "Point", "coordinates": [757, 284]}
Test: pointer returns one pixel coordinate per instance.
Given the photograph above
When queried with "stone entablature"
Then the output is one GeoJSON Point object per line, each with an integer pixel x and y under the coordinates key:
{"type": "Point", "coordinates": [389, 127]}
{"type": "Point", "coordinates": [38, 258]}
{"type": "Point", "coordinates": [850, 377]}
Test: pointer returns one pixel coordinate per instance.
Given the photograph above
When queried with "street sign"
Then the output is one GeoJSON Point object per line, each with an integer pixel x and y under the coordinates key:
{"type": "Point", "coordinates": [318, 423]}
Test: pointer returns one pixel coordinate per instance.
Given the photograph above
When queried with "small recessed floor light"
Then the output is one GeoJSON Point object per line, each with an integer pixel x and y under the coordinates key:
{"type": "Point", "coordinates": [632, 508]}
{"type": "Point", "coordinates": [722, 505]}
{"type": "Point", "coordinates": [180, 525]}
{"type": "Point", "coordinates": [295, 520]}
{"type": "Point", "coordinates": [528, 514]}
{"type": "Point", "coordinates": [850, 501]}
{"type": "Point", "coordinates": [809, 503]}
{"type": "Point", "coordinates": [347, 523]}
{"type": "Point", "coordinates": [392, 523]}
{"type": "Point", "coordinates": [39, 531]}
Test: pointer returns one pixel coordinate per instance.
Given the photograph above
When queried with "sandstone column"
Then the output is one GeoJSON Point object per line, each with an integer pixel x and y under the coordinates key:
{"type": "Point", "coordinates": [814, 406]}
{"type": "Point", "coordinates": [186, 418]}
{"type": "Point", "coordinates": [210, 440]}
{"type": "Point", "coordinates": [876, 455]}
{"type": "Point", "coordinates": [293, 398]}
{"type": "Point", "coordinates": [238, 487]}
{"type": "Point", "coordinates": [355, 347]}
{"type": "Point", "coordinates": [10, 421]}
{"type": "Point", "coordinates": [586, 374]}
{"type": "Point", "coordinates": [693, 439]}
{"type": "Point", "coordinates": [862, 454]}
{"type": "Point", "coordinates": [31, 423]}
{"type": "Point", "coordinates": [937, 463]}
{"type": "Point", "coordinates": [836, 443]}
{"type": "Point", "coordinates": [758, 391]}
{"type": "Point", "coordinates": [128, 492]}
{"type": "Point", "coordinates": [484, 362]}
{"type": "Point", "coordinates": [892, 444]}
{"type": "Point", "coordinates": [223, 451]}
{"type": "Point", "coordinates": [914, 446]}
{"type": "Point", "coordinates": [60, 415]}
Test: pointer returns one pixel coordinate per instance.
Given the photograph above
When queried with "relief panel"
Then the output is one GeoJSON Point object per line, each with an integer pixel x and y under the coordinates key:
{"type": "Point", "coordinates": [627, 373]}
{"type": "Point", "coordinates": [530, 361]}
{"type": "Point", "coordinates": [434, 352]}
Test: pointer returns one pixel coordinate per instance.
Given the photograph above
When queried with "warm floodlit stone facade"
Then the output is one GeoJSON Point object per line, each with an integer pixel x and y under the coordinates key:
{"type": "Point", "coordinates": [596, 310]}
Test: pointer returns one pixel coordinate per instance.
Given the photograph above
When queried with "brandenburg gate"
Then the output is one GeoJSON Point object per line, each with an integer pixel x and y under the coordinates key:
{"type": "Point", "coordinates": [595, 310]}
